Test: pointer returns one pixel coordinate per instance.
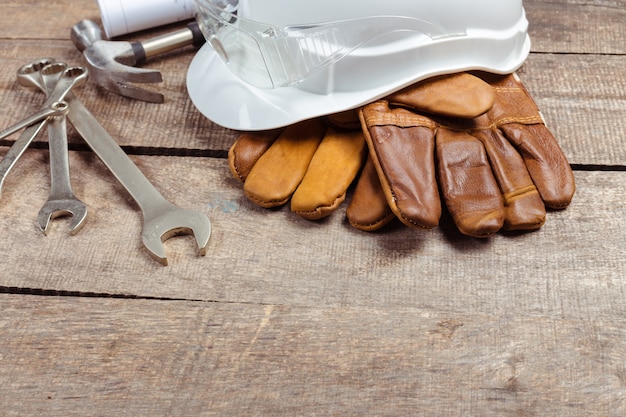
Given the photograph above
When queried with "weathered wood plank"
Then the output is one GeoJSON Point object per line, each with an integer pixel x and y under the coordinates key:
{"type": "Point", "coordinates": [68, 356]}
{"type": "Point", "coordinates": [572, 267]}
{"type": "Point", "coordinates": [583, 99]}
{"type": "Point", "coordinates": [577, 26]}
{"type": "Point", "coordinates": [312, 318]}
{"type": "Point", "coordinates": [33, 19]}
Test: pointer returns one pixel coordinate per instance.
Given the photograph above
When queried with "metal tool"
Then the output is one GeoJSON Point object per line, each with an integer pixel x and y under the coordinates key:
{"type": "Point", "coordinates": [19, 146]}
{"type": "Point", "coordinates": [161, 219]}
{"type": "Point", "coordinates": [54, 100]}
{"type": "Point", "coordinates": [65, 80]}
{"type": "Point", "coordinates": [111, 63]}
{"type": "Point", "coordinates": [56, 109]}
{"type": "Point", "coordinates": [61, 199]}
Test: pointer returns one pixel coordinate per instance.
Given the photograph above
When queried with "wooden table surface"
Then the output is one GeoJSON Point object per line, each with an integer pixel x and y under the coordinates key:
{"type": "Point", "coordinates": [287, 317]}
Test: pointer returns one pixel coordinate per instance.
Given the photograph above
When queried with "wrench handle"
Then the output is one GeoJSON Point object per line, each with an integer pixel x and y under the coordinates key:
{"type": "Point", "coordinates": [18, 148]}
{"type": "Point", "coordinates": [59, 158]}
{"type": "Point", "coordinates": [116, 160]}
{"type": "Point", "coordinates": [37, 117]}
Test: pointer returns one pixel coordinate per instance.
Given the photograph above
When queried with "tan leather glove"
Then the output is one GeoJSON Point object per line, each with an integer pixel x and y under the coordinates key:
{"type": "Point", "coordinates": [495, 170]}
{"type": "Point", "coordinates": [312, 163]}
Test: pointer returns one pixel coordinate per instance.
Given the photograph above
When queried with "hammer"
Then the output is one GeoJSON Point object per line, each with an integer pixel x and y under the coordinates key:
{"type": "Point", "coordinates": [111, 63]}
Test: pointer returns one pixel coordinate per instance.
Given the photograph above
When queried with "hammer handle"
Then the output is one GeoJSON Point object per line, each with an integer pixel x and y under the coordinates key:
{"type": "Point", "coordinates": [191, 35]}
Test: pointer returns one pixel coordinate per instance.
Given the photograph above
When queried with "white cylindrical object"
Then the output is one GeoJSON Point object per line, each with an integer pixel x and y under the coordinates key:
{"type": "Point", "coordinates": [120, 17]}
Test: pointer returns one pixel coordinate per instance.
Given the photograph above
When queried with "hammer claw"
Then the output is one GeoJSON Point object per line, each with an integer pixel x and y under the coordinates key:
{"type": "Point", "coordinates": [137, 75]}
{"type": "Point", "coordinates": [131, 91]}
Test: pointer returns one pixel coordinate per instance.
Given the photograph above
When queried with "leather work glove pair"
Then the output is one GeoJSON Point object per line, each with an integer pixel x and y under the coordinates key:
{"type": "Point", "coordinates": [314, 162]}
{"type": "Point", "coordinates": [449, 134]}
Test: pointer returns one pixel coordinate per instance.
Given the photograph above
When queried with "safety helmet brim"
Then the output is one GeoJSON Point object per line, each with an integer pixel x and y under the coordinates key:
{"type": "Point", "coordinates": [228, 101]}
{"type": "Point", "coordinates": [357, 79]}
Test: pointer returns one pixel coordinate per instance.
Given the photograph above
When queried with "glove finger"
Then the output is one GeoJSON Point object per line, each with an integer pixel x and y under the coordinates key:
{"type": "Point", "coordinates": [334, 166]}
{"type": "Point", "coordinates": [456, 95]}
{"type": "Point", "coordinates": [545, 162]}
{"type": "Point", "coordinates": [517, 115]}
{"type": "Point", "coordinates": [401, 145]}
{"type": "Point", "coordinates": [247, 150]}
{"type": "Point", "coordinates": [368, 209]}
{"type": "Point", "coordinates": [524, 209]}
{"type": "Point", "coordinates": [469, 188]}
{"type": "Point", "coordinates": [277, 173]}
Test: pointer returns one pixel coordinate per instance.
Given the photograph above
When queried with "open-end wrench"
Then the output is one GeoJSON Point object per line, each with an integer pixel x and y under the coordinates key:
{"type": "Point", "coordinates": [161, 219]}
{"type": "Point", "coordinates": [61, 199]}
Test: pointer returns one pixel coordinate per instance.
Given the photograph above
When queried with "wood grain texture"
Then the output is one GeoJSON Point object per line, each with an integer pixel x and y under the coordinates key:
{"type": "Point", "coordinates": [34, 19]}
{"type": "Point", "coordinates": [583, 99]}
{"type": "Point", "coordinates": [272, 256]}
{"type": "Point", "coordinates": [577, 26]}
{"type": "Point", "coordinates": [288, 317]}
{"type": "Point", "coordinates": [118, 358]}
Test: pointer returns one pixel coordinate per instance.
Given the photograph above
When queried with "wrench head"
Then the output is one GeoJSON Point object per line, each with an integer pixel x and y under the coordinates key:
{"type": "Point", "coordinates": [57, 208]}
{"type": "Point", "coordinates": [28, 74]}
{"type": "Point", "coordinates": [173, 222]}
{"type": "Point", "coordinates": [59, 82]}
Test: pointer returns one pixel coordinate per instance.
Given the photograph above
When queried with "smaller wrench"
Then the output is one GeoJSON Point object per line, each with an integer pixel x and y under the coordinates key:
{"type": "Point", "coordinates": [61, 200]}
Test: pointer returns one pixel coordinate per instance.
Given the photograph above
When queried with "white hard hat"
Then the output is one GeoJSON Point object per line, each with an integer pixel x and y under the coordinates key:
{"type": "Point", "coordinates": [271, 63]}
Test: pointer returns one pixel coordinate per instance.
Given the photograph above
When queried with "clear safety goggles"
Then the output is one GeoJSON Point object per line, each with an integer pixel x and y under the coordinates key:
{"type": "Point", "coordinates": [269, 57]}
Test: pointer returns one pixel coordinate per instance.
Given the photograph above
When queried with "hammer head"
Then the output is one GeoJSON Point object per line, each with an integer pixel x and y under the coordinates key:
{"type": "Point", "coordinates": [109, 63]}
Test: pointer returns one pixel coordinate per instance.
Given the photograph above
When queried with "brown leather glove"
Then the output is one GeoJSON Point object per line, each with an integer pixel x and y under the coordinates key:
{"type": "Point", "coordinates": [312, 162]}
{"type": "Point", "coordinates": [368, 210]}
{"type": "Point", "coordinates": [495, 170]}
